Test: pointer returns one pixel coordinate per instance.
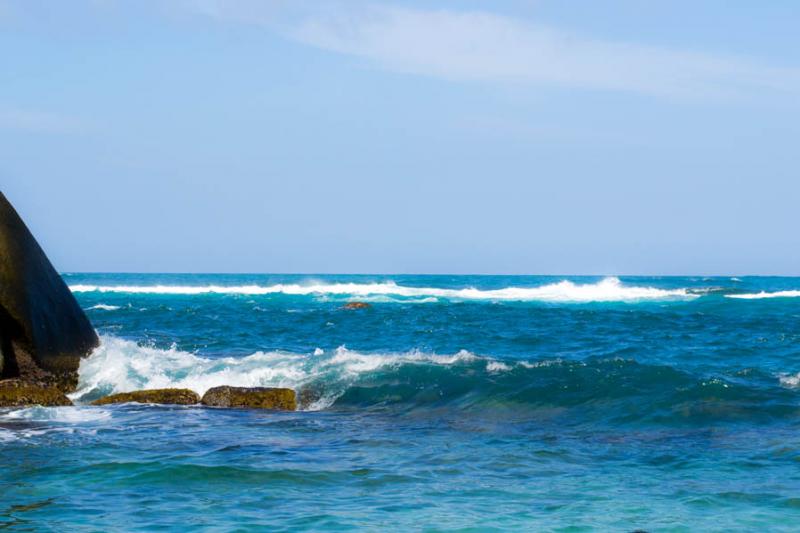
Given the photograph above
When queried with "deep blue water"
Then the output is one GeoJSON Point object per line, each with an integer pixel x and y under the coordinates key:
{"type": "Point", "coordinates": [453, 403]}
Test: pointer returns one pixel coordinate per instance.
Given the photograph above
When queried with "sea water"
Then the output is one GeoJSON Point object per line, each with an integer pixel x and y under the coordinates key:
{"type": "Point", "coordinates": [451, 403]}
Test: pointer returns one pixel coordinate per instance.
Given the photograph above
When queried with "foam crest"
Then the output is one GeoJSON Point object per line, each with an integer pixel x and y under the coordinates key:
{"type": "Point", "coordinates": [103, 307]}
{"type": "Point", "coordinates": [791, 381]}
{"type": "Point", "coordinates": [607, 290]}
{"type": "Point", "coordinates": [120, 365]}
{"type": "Point", "coordinates": [763, 294]}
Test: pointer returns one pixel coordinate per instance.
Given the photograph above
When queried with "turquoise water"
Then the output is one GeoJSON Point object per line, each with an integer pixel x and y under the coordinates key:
{"type": "Point", "coordinates": [453, 403]}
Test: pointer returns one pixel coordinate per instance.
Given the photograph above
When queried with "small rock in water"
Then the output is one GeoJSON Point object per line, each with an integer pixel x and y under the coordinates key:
{"type": "Point", "coordinates": [253, 397]}
{"type": "Point", "coordinates": [164, 396]}
{"type": "Point", "coordinates": [356, 305]}
{"type": "Point", "coordinates": [17, 393]}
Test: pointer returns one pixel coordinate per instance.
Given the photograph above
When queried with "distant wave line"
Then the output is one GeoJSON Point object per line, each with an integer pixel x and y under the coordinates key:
{"type": "Point", "coordinates": [764, 294]}
{"type": "Point", "coordinates": [607, 290]}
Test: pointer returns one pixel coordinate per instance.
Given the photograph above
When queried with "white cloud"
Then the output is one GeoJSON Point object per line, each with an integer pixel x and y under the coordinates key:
{"type": "Point", "coordinates": [484, 47]}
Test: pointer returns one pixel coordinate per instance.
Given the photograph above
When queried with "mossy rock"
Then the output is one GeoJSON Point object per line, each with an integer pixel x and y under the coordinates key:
{"type": "Point", "coordinates": [251, 397]}
{"type": "Point", "coordinates": [163, 396]}
{"type": "Point", "coordinates": [16, 393]}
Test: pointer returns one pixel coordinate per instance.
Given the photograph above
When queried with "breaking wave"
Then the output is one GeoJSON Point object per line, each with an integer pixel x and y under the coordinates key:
{"type": "Point", "coordinates": [607, 290]}
{"type": "Point", "coordinates": [343, 378]}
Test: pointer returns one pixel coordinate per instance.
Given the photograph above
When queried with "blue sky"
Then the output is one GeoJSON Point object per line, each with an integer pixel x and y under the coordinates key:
{"type": "Point", "coordinates": [523, 137]}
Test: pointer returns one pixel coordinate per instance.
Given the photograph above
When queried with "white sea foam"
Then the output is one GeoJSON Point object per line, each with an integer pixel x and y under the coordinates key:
{"type": "Point", "coordinates": [119, 365]}
{"type": "Point", "coordinates": [497, 366]}
{"type": "Point", "coordinates": [103, 307]}
{"type": "Point", "coordinates": [791, 381]}
{"type": "Point", "coordinates": [607, 290]}
{"type": "Point", "coordinates": [763, 294]}
{"type": "Point", "coordinates": [68, 415]}
{"type": "Point", "coordinates": [7, 436]}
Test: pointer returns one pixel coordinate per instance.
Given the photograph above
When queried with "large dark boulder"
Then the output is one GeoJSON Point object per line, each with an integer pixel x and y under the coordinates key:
{"type": "Point", "coordinates": [43, 331]}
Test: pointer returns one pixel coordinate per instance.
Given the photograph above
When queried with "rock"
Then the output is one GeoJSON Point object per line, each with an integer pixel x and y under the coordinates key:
{"type": "Point", "coordinates": [255, 397]}
{"type": "Point", "coordinates": [43, 331]}
{"type": "Point", "coordinates": [356, 305]}
{"type": "Point", "coordinates": [18, 393]}
{"type": "Point", "coordinates": [165, 396]}
{"type": "Point", "coordinates": [308, 396]}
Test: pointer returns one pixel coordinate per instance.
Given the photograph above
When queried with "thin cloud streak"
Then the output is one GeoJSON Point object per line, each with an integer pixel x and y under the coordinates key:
{"type": "Point", "coordinates": [483, 47]}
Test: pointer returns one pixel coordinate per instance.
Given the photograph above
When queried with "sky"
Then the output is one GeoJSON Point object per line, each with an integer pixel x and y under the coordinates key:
{"type": "Point", "coordinates": [517, 137]}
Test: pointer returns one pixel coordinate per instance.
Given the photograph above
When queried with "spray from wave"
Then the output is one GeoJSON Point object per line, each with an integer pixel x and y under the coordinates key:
{"type": "Point", "coordinates": [607, 290]}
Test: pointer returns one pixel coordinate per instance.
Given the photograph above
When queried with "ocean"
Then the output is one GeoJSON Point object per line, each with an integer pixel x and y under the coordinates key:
{"type": "Point", "coordinates": [452, 403]}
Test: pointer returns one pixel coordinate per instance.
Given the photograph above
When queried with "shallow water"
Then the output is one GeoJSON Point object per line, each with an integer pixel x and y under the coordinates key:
{"type": "Point", "coordinates": [482, 402]}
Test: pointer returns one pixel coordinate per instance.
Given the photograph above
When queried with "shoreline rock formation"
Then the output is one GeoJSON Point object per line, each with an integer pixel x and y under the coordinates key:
{"type": "Point", "coordinates": [44, 334]}
{"type": "Point", "coordinates": [43, 331]}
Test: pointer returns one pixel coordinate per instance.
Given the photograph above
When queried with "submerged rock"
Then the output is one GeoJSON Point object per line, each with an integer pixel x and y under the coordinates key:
{"type": "Point", "coordinates": [164, 396]}
{"type": "Point", "coordinates": [253, 397]}
{"type": "Point", "coordinates": [308, 396]}
{"type": "Point", "coordinates": [356, 305]}
{"type": "Point", "coordinates": [43, 331]}
{"type": "Point", "coordinates": [18, 393]}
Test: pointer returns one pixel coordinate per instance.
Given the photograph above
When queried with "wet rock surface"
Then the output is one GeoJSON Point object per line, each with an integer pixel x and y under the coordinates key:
{"type": "Point", "coordinates": [160, 396]}
{"type": "Point", "coordinates": [18, 393]}
{"type": "Point", "coordinates": [251, 397]}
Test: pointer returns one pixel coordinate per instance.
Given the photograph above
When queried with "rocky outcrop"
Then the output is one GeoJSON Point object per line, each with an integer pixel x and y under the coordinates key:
{"type": "Point", "coordinates": [43, 331]}
{"type": "Point", "coordinates": [251, 397]}
{"type": "Point", "coordinates": [18, 393]}
{"type": "Point", "coordinates": [163, 396]}
{"type": "Point", "coordinates": [356, 305]}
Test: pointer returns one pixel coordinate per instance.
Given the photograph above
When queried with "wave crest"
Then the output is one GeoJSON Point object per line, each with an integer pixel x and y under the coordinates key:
{"type": "Point", "coordinates": [120, 365]}
{"type": "Point", "coordinates": [347, 379]}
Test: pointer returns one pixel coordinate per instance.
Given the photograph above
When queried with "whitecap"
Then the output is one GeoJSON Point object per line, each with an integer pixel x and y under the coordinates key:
{"type": "Point", "coordinates": [763, 294]}
{"type": "Point", "coordinates": [497, 366]}
{"type": "Point", "coordinates": [104, 307]}
{"type": "Point", "coordinates": [791, 381]}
